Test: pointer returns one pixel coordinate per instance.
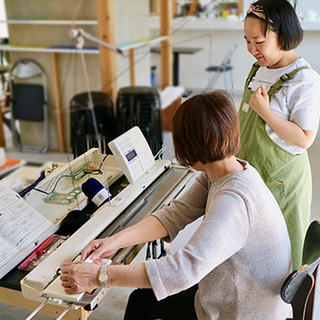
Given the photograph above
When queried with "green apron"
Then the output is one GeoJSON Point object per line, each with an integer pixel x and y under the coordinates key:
{"type": "Point", "coordinates": [287, 176]}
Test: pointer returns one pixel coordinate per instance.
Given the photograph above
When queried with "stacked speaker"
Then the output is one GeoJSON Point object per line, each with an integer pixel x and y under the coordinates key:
{"type": "Point", "coordinates": [83, 135]}
{"type": "Point", "coordinates": [140, 106]}
{"type": "Point", "coordinates": [136, 106]}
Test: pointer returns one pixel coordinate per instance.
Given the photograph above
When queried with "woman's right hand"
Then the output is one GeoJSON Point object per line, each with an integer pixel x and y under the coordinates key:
{"type": "Point", "coordinates": [99, 248]}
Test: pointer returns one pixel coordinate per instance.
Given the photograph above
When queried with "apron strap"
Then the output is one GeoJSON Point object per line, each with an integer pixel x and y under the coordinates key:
{"type": "Point", "coordinates": [287, 76]}
{"type": "Point", "coordinates": [252, 73]}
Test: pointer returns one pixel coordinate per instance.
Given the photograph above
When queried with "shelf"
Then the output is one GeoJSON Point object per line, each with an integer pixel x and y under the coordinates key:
{"type": "Point", "coordinates": [214, 24]}
{"type": "Point", "coordinates": [61, 49]}
{"type": "Point", "coordinates": [72, 49]}
{"type": "Point", "coordinates": [193, 23]}
{"type": "Point", "coordinates": [141, 42]}
{"type": "Point", "coordinates": [228, 1]}
{"type": "Point", "coordinates": [50, 22]}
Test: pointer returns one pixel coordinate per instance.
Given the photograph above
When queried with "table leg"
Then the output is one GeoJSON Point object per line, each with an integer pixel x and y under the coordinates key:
{"type": "Point", "coordinates": [2, 136]}
{"type": "Point", "coordinates": [176, 68]}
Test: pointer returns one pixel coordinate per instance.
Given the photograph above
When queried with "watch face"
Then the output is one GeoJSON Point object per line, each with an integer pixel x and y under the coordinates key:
{"type": "Point", "coordinates": [102, 277]}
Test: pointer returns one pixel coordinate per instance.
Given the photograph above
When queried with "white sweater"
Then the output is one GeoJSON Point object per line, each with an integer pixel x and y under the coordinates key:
{"type": "Point", "coordinates": [240, 254]}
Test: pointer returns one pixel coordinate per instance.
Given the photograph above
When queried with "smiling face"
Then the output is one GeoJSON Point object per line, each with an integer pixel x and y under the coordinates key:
{"type": "Point", "coordinates": [265, 48]}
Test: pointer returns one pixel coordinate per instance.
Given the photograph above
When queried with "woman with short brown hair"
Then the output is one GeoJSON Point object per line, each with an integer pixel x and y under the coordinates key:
{"type": "Point", "coordinates": [234, 264]}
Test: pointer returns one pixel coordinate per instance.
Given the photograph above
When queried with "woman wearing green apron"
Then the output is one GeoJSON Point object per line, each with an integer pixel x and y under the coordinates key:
{"type": "Point", "coordinates": [279, 113]}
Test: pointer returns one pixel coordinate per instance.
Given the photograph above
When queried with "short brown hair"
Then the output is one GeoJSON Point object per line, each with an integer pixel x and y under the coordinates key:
{"type": "Point", "coordinates": [205, 128]}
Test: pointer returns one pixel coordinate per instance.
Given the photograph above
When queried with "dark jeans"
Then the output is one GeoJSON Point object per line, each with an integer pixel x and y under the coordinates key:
{"type": "Point", "coordinates": [143, 305]}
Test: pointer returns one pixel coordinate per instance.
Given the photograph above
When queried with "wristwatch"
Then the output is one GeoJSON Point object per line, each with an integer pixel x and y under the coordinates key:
{"type": "Point", "coordinates": [103, 277]}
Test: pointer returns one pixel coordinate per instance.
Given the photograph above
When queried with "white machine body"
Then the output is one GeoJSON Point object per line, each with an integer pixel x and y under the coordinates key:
{"type": "Point", "coordinates": [38, 282]}
{"type": "Point", "coordinates": [132, 153]}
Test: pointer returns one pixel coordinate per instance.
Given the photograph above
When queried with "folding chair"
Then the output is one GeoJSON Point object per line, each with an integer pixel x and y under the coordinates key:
{"type": "Point", "coordinates": [225, 67]}
{"type": "Point", "coordinates": [299, 287]}
{"type": "Point", "coordinates": [28, 101]}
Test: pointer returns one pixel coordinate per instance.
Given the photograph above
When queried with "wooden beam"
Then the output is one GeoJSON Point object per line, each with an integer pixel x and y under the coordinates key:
{"type": "Point", "coordinates": [166, 45]}
{"type": "Point", "coordinates": [2, 135]}
{"type": "Point", "coordinates": [174, 9]}
{"type": "Point", "coordinates": [106, 33]}
{"type": "Point", "coordinates": [4, 108]}
{"type": "Point", "coordinates": [132, 67]}
{"type": "Point", "coordinates": [158, 6]}
{"type": "Point", "coordinates": [153, 7]}
{"type": "Point", "coordinates": [58, 102]}
{"type": "Point", "coordinates": [240, 7]}
{"type": "Point", "coordinates": [193, 7]}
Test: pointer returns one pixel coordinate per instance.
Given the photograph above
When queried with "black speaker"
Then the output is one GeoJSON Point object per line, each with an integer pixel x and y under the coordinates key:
{"type": "Point", "coordinates": [83, 135]}
{"type": "Point", "coordinates": [140, 106]}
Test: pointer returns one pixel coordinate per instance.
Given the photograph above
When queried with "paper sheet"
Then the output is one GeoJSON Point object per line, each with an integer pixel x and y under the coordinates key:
{"type": "Point", "coordinates": [20, 224]}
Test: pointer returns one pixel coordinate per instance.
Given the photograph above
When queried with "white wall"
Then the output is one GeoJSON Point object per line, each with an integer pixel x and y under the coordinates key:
{"type": "Point", "coordinates": [215, 44]}
{"type": "Point", "coordinates": [304, 5]}
{"type": "Point", "coordinates": [131, 23]}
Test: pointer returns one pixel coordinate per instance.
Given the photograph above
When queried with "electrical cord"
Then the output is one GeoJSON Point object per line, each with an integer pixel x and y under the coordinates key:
{"type": "Point", "coordinates": [86, 171]}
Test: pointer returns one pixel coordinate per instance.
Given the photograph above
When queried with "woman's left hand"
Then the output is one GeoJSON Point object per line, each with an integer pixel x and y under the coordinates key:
{"type": "Point", "coordinates": [77, 277]}
{"type": "Point", "coordinates": [259, 101]}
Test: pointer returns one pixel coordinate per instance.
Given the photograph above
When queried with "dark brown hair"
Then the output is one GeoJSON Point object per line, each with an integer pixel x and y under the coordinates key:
{"type": "Point", "coordinates": [205, 128]}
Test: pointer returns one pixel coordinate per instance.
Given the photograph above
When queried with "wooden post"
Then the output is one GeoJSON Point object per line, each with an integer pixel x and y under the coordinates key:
{"type": "Point", "coordinates": [154, 6]}
{"type": "Point", "coordinates": [132, 67]}
{"type": "Point", "coordinates": [193, 7]}
{"type": "Point", "coordinates": [158, 5]}
{"type": "Point", "coordinates": [240, 7]}
{"type": "Point", "coordinates": [166, 45]}
{"type": "Point", "coordinates": [108, 69]}
{"type": "Point", "coordinates": [58, 102]}
{"type": "Point", "coordinates": [174, 9]}
{"type": "Point", "coordinates": [2, 135]}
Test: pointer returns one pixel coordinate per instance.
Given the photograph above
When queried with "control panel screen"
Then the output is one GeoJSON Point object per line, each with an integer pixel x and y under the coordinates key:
{"type": "Point", "coordinates": [131, 155]}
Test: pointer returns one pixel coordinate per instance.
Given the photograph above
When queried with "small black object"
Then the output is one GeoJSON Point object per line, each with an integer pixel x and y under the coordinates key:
{"type": "Point", "coordinates": [75, 219]}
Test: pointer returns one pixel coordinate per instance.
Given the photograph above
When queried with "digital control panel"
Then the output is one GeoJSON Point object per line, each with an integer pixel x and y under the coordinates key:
{"type": "Point", "coordinates": [133, 153]}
